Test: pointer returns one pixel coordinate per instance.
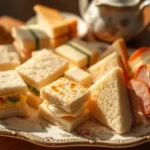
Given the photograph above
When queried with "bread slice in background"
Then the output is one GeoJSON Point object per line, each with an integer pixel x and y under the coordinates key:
{"type": "Point", "coordinates": [120, 47]}
{"type": "Point", "coordinates": [9, 59]}
{"type": "Point", "coordinates": [110, 103]}
{"type": "Point", "coordinates": [51, 21]}
{"type": "Point", "coordinates": [103, 66]}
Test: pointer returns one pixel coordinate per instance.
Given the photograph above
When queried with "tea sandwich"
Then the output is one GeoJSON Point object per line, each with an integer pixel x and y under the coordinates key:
{"type": "Point", "coordinates": [40, 70]}
{"type": "Point", "coordinates": [66, 101]}
{"type": "Point", "coordinates": [13, 95]}
{"type": "Point", "coordinates": [78, 53]}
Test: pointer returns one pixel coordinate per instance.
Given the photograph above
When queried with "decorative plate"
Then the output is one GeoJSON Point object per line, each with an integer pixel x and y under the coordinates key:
{"type": "Point", "coordinates": [91, 133]}
{"type": "Point", "coordinates": [81, 27]}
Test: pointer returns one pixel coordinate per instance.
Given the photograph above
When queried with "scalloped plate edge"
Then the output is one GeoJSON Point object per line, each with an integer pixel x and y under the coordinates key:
{"type": "Point", "coordinates": [49, 142]}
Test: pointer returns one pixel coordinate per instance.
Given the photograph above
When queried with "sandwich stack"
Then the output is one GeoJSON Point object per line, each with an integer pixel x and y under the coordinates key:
{"type": "Point", "coordinates": [64, 104]}
{"type": "Point", "coordinates": [13, 95]}
{"type": "Point", "coordinates": [40, 70]}
{"type": "Point", "coordinates": [59, 29]}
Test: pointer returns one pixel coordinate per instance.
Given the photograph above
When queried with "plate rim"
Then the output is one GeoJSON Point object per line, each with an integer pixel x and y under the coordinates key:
{"type": "Point", "coordinates": [80, 142]}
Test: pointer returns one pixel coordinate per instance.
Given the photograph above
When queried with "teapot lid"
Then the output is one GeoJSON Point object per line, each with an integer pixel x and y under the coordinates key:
{"type": "Point", "coordinates": [118, 3]}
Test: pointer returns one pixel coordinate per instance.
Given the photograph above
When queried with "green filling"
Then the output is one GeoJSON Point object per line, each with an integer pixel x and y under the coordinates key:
{"type": "Point", "coordinates": [34, 90]}
{"type": "Point", "coordinates": [37, 41]}
{"type": "Point", "coordinates": [79, 50]}
{"type": "Point", "coordinates": [13, 99]}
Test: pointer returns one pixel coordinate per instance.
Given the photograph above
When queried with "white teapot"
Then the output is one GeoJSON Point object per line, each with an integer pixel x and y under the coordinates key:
{"type": "Point", "coordinates": [111, 19]}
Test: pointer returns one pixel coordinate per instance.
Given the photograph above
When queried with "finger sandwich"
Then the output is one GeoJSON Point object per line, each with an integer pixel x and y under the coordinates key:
{"type": "Point", "coordinates": [52, 22]}
{"type": "Point", "coordinates": [31, 38]}
{"type": "Point", "coordinates": [64, 104]}
{"type": "Point", "coordinates": [9, 59]}
{"type": "Point", "coordinates": [13, 95]}
{"type": "Point", "coordinates": [78, 53]}
{"type": "Point", "coordinates": [40, 70]}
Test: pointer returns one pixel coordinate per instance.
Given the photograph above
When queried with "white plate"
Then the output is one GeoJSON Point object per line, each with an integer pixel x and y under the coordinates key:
{"type": "Point", "coordinates": [81, 27]}
{"type": "Point", "coordinates": [91, 133]}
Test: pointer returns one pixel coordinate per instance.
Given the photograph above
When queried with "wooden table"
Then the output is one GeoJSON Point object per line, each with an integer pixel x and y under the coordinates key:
{"type": "Point", "coordinates": [15, 144]}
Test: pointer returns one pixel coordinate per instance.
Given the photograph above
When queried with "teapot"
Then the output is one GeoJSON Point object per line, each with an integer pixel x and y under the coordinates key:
{"type": "Point", "coordinates": [112, 19]}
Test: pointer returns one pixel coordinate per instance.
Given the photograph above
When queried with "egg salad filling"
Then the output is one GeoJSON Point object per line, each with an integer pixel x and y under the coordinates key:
{"type": "Point", "coordinates": [12, 100]}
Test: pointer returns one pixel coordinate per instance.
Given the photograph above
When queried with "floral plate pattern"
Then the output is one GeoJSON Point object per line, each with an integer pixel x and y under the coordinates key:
{"type": "Point", "coordinates": [91, 133]}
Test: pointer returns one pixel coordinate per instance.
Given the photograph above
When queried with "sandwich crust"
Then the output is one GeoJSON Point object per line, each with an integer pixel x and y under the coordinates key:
{"type": "Point", "coordinates": [65, 94]}
{"type": "Point", "coordinates": [42, 69]}
{"type": "Point", "coordinates": [112, 106]}
{"type": "Point", "coordinates": [11, 82]}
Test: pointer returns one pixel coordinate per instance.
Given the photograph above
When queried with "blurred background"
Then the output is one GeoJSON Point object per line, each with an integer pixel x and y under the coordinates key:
{"type": "Point", "coordinates": [23, 9]}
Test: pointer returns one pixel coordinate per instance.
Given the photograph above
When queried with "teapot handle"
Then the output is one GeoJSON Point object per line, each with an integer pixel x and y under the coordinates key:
{"type": "Point", "coordinates": [83, 5]}
{"type": "Point", "coordinates": [141, 7]}
{"type": "Point", "coordinates": [144, 4]}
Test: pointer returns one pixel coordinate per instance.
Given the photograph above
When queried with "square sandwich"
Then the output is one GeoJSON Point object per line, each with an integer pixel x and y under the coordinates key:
{"type": "Point", "coordinates": [13, 95]}
{"type": "Point", "coordinates": [40, 70]}
{"type": "Point", "coordinates": [64, 103]}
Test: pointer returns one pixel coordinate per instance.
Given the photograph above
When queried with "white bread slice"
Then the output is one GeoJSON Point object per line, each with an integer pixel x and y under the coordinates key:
{"type": "Point", "coordinates": [51, 21]}
{"type": "Point", "coordinates": [42, 69]}
{"type": "Point", "coordinates": [105, 65]}
{"type": "Point", "coordinates": [14, 112]}
{"type": "Point", "coordinates": [80, 76]}
{"type": "Point", "coordinates": [33, 99]}
{"type": "Point", "coordinates": [11, 82]}
{"type": "Point", "coordinates": [9, 59]}
{"type": "Point", "coordinates": [110, 103]}
{"type": "Point", "coordinates": [65, 94]}
{"type": "Point", "coordinates": [120, 47]}
{"type": "Point", "coordinates": [65, 123]}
